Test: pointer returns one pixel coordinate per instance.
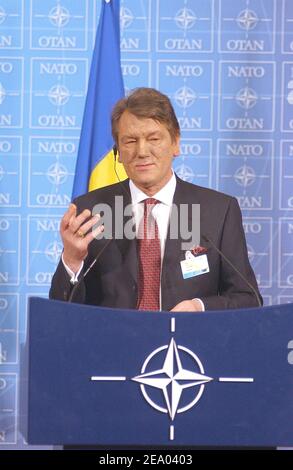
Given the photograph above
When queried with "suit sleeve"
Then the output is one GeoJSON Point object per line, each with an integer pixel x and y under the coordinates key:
{"type": "Point", "coordinates": [233, 291]}
{"type": "Point", "coordinates": [61, 286]}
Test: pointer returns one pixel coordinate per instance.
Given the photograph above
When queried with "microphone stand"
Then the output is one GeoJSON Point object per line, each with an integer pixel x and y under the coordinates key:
{"type": "Point", "coordinates": [234, 268]}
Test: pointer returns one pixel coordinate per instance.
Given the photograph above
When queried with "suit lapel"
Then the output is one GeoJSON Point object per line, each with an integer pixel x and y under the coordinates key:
{"type": "Point", "coordinates": [174, 252]}
{"type": "Point", "coordinates": [181, 197]}
{"type": "Point", "coordinates": [126, 246]}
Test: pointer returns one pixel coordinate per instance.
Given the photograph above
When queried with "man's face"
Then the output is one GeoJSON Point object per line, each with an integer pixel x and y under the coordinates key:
{"type": "Point", "coordinates": [146, 151]}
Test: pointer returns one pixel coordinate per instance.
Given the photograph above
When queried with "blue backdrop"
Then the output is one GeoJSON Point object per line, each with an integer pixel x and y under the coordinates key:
{"type": "Point", "coordinates": [227, 65]}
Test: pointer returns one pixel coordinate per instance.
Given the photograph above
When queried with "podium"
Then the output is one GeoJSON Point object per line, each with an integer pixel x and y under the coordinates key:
{"type": "Point", "coordinates": [100, 376]}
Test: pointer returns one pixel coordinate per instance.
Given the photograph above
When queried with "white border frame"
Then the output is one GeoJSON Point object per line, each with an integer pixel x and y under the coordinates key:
{"type": "Point", "coordinates": [239, 62]}
{"type": "Point", "coordinates": [86, 22]}
{"type": "Point", "coordinates": [274, 21]}
{"type": "Point", "coordinates": [271, 159]}
{"type": "Point", "coordinates": [212, 94]}
{"type": "Point", "coordinates": [198, 51]}
{"type": "Point", "coordinates": [84, 91]}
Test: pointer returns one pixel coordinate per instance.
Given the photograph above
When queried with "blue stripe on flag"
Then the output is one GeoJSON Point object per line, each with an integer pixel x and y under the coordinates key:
{"type": "Point", "coordinates": [105, 87]}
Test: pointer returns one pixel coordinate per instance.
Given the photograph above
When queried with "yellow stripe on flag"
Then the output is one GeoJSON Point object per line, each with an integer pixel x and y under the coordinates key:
{"type": "Point", "coordinates": [103, 174]}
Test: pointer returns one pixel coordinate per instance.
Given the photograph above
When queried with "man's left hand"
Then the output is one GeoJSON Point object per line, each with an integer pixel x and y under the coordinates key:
{"type": "Point", "coordinates": [187, 306]}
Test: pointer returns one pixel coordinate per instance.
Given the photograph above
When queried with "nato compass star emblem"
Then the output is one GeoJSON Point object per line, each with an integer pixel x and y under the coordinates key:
{"type": "Point", "coordinates": [185, 18]}
{"type": "Point", "coordinates": [247, 19]}
{"type": "Point", "coordinates": [57, 174]}
{"type": "Point", "coordinates": [246, 98]}
{"type": "Point", "coordinates": [185, 173]}
{"type": "Point", "coordinates": [58, 95]}
{"type": "Point", "coordinates": [2, 93]}
{"type": "Point", "coordinates": [126, 18]}
{"type": "Point", "coordinates": [245, 176]}
{"type": "Point", "coordinates": [185, 97]}
{"type": "Point", "coordinates": [59, 16]}
{"type": "Point", "coordinates": [53, 251]}
{"type": "Point", "coordinates": [172, 379]}
{"type": "Point", "coordinates": [251, 252]}
{"type": "Point", "coordinates": [2, 15]}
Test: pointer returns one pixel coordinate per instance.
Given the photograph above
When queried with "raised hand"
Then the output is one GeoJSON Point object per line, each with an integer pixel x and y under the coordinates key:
{"type": "Point", "coordinates": [77, 232]}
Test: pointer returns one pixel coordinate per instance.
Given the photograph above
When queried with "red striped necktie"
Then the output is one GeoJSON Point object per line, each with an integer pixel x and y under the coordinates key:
{"type": "Point", "coordinates": [149, 259]}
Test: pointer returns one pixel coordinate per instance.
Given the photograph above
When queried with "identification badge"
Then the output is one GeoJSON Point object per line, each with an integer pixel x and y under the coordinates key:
{"type": "Point", "coordinates": [194, 265]}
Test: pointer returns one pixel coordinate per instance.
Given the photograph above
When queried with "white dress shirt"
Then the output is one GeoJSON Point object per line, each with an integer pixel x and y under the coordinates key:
{"type": "Point", "coordinates": [161, 213]}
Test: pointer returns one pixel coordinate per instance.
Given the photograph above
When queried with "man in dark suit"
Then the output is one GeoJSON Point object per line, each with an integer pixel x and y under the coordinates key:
{"type": "Point", "coordinates": [158, 273]}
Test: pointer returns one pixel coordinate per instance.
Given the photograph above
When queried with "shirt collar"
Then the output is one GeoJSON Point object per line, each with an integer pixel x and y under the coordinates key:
{"type": "Point", "coordinates": [165, 195]}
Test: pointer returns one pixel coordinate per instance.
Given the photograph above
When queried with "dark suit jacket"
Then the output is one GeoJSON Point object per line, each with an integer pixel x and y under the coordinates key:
{"type": "Point", "coordinates": [112, 282]}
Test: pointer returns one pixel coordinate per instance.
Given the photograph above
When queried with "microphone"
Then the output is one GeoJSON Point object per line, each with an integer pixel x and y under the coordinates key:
{"type": "Point", "coordinates": [252, 288]}
{"type": "Point", "coordinates": [115, 152]}
{"type": "Point", "coordinates": [88, 270]}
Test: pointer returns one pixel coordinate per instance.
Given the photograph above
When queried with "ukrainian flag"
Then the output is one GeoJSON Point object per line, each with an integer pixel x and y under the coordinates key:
{"type": "Point", "coordinates": [95, 160]}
